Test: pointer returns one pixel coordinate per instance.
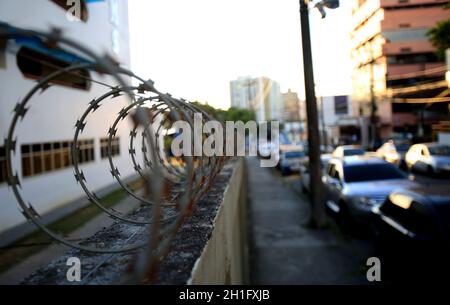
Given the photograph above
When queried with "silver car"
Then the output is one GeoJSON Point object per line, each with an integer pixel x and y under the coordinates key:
{"type": "Point", "coordinates": [304, 170]}
{"type": "Point", "coordinates": [432, 158]}
{"type": "Point", "coordinates": [354, 185]}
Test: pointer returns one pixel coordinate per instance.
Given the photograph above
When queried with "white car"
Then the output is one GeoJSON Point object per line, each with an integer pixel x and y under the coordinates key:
{"type": "Point", "coordinates": [393, 152]}
{"type": "Point", "coordinates": [432, 158]}
{"type": "Point", "coordinates": [348, 150]}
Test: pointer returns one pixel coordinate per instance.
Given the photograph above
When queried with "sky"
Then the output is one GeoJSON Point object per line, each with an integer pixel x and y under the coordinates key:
{"type": "Point", "coordinates": [194, 48]}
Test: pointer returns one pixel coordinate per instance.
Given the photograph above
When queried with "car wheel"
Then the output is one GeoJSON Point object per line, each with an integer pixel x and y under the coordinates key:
{"type": "Point", "coordinates": [430, 170]}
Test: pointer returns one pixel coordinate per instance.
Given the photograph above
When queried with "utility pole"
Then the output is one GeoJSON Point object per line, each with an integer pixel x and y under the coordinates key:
{"type": "Point", "coordinates": [373, 103]}
{"type": "Point", "coordinates": [316, 186]}
{"type": "Point", "coordinates": [322, 119]}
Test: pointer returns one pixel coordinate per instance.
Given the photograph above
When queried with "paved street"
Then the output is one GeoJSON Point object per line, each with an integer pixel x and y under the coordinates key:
{"type": "Point", "coordinates": [283, 250]}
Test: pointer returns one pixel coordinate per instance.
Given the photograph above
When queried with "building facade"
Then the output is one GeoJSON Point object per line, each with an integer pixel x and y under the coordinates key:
{"type": "Point", "coordinates": [393, 59]}
{"type": "Point", "coordinates": [261, 94]}
{"type": "Point", "coordinates": [294, 109]}
{"type": "Point", "coordinates": [339, 120]}
{"type": "Point", "coordinates": [42, 158]}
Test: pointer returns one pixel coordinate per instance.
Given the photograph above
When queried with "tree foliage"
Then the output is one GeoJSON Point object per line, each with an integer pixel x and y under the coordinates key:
{"type": "Point", "coordinates": [440, 36]}
{"type": "Point", "coordinates": [232, 114]}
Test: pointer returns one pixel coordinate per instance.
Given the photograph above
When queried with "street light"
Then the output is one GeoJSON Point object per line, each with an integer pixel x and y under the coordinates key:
{"type": "Point", "coordinates": [316, 187]}
{"type": "Point", "coordinates": [331, 4]}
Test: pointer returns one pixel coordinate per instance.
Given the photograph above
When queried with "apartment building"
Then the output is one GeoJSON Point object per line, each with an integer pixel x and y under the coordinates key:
{"type": "Point", "coordinates": [42, 158]}
{"type": "Point", "coordinates": [394, 65]}
{"type": "Point", "coordinates": [294, 109]}
{"type": "Point", "coordinates": [260, 94]}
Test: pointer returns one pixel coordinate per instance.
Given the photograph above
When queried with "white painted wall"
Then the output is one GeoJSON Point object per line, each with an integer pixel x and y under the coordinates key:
{"type": "Point", "coordinates": [54, 112]}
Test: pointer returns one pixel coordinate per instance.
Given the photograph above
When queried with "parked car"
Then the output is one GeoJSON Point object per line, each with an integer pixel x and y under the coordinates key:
{"type": "Point", "coordinates": [419, 215]}
{"type": "Point", "coordinates": [326, 149]}
{"type": "Point", "coordinates": [354, 185]}
{"type": "Point", "coordinates": [394, 152]}
{"type": "Point", "coordinates": [290, 160]}
{"type": "Point", "coordinates": [348, 150]}
{"type": "Point", "coordinates": [412, 228]}
{"type": "Point", "coordinates": [304, 170]}
{"type": "Point", "coordinates": [432, 158]}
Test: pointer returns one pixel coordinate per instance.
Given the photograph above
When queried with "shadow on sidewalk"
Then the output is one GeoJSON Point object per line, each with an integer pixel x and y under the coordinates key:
{"type": "Point", "coordinates": [284, 249]}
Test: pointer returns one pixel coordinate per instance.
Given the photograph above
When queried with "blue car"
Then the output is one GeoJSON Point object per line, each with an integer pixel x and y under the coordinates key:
{"type": "Point", "coordinates": [290, 161]}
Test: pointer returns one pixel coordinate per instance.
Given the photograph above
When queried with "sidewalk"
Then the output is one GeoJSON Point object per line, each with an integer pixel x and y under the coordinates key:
{"type": "Point", "coordinates": [283, 250]}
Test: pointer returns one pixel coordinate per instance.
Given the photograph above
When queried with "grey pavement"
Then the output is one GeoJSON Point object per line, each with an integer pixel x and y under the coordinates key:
{"type": "Point", "coordinates": [284, 250]}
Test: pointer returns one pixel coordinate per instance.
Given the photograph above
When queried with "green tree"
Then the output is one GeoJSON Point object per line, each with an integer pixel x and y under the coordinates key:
{"type": "Point", "coordinates": [440, 36]}
{"type": "Point", "coordinates": [207, 108]}
{"type": "Point", "coordinates": [237, 114]}
{"type": "Point", "coordinates": [232, 114]}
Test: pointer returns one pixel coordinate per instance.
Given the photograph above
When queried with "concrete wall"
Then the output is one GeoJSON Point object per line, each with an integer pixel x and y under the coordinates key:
{"type": "Point", "coordinates": [224, 258]}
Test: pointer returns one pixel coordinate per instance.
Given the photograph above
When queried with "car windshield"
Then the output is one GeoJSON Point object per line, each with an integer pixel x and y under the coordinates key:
{"type": "Point", "coordinates": [441, 150]}
{"type": "Point", "coordinates": [353, 152]}
{"type": "Point", "coordinates": [371, 172]}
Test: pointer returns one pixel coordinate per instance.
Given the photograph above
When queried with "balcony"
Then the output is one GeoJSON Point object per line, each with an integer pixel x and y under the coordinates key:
{"type": "Point", "coordinates": [408, 47]}
{"type": "Point", "coordinates": [401, 71]}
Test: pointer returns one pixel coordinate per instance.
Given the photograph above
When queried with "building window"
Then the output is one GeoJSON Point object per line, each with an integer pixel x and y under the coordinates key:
{"type": "Point", "coordinates": [341, 104]}
{"type": "Point", "coordinates": [115, 147]}
{"type": "Point", "coordinates": [418, 58]}
{"type": "Point", "coordinates": [2, 164]}
{"type": "Point", "coordinates": [42, 158]}
{"type": "Point", "coordinates": [114, 12]}
{"type": "Point", "coordinates": [405, 50]}
{"type": "Point", "coordinates": [86, 153]}
{"type": "Point", "coordinates": [405, 34]}
{"type": "Point", "coordinates": [35, 65]}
